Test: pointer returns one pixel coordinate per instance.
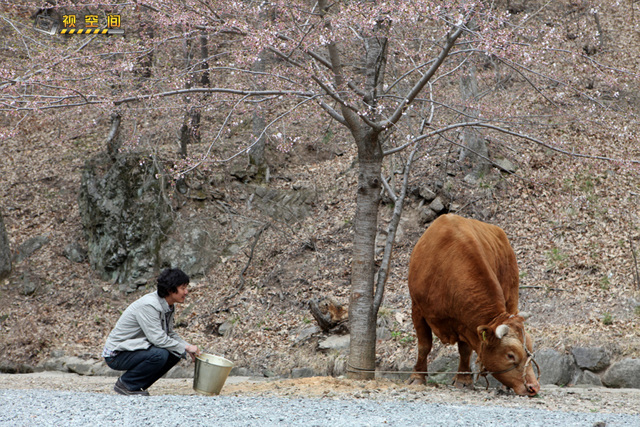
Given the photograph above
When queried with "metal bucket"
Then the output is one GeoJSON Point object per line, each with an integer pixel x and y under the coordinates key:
{"type": "Point", "coordinates": [210, 373]}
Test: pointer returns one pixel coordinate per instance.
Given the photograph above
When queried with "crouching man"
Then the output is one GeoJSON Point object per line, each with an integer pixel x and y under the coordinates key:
{"type": "Point", "coordinates": [143, 342]}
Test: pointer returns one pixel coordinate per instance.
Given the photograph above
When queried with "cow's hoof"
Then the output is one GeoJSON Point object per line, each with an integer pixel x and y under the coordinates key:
{"type": "Point", "coordinates": [416, 381]}
{"type": "Point", "coordinates": [463, 382]}
{"type": "Point", "coordinates": [463, 385]}
{"type": "Point", "coordinates": [504, 391]}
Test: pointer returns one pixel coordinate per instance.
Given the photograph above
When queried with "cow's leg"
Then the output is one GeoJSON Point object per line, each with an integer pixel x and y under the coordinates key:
{"type": "Point", "coordinates": [464, 380]}
{"type": "Point", "coordinates": [425, 342]}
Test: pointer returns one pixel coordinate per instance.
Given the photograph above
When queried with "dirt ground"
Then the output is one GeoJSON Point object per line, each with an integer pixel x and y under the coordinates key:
{"type": "Point", "coordinates": [580, 399]}
{"type": "Point", "coordinates": [574, 225]}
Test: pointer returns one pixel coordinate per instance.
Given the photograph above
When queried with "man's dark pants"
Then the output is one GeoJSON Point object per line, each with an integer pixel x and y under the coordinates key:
{"type": "Point", "coordinates": [144, 367]}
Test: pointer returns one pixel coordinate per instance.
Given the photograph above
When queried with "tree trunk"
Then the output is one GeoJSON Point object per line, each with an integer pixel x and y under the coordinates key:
{"type": "Point", "coordinates": [258, 125]}
{"type": "Point", "coordinates": [190, 129]}
{"type": "Point", "coordinates": [475, 147]}
{"type": "Point", "coordinates": [5, 251]}
{"type": "Point", "coordinates": [362, 315]}
{"type": "Point", "coordinates": [362, 309]}
{"type": "Point", "coordinates": [256, 153]}
{"type": "Point", "coordinates": [185, 129]}
{"type": "Point", "coordinates": [205, 80]}
{"type": "Point", "coordinates": [114, 139]}
{"type": "Point", "coordinates": [143, 69]}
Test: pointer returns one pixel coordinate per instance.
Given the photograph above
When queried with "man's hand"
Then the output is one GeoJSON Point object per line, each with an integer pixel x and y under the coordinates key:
{"type": "Point", "coordinates": [193, 351]}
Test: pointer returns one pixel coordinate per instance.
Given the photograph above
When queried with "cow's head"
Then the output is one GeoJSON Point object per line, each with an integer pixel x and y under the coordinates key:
{"type": "Point", "coordinates": [503, 354]}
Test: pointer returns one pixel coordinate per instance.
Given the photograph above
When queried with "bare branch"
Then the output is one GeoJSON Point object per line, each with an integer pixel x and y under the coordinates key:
{"type": "Point", "coordinates": [383, 271]}
{"type": "Point", "coordinates": [508, 132]}
{"type": "Point", "coordinates": [417, 88]}
{"type": "Point", "coordinates": [212, 90]}
{"type": "Point", "coordinates": [246, 149]}
{"type": "Point", "coordinates": [636, 272]}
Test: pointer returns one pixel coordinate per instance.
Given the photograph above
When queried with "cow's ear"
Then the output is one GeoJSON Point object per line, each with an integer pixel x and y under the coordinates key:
{"type": "Point", "coordinates": [484, 332]}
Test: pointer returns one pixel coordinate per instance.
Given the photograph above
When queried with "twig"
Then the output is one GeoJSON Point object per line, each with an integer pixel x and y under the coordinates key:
{"type": "Point", "coordinates": [392, 228]}
{"type": "Point", "coordinates": [542, 287]}
{"type": "Point", "coordinates": [636, 274]}
{"type": "Point", "coordinates": [469, 204]}
{"type": "Point", "coordinates": [508, 132]}
{"type": "Point", "coordinates": [246, 267]}
{"type": "Point", "coordinates": [253, 248]}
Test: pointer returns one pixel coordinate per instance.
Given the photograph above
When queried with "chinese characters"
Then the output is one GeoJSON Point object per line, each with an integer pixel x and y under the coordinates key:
{"type": "Point", "coordinates": [91, 23]}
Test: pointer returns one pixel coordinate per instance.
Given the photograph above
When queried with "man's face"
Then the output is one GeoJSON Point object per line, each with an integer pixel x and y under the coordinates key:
{"type": "Point", "coordinates": [181, 293]}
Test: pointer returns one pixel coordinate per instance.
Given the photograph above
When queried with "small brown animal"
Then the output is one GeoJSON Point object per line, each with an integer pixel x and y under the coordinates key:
{"type": "Point", "coordinates": [463, 281]}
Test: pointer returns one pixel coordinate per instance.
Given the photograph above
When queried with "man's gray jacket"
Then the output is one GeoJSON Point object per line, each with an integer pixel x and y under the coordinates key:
{"type": "Point", "coordinates": [147, 321]}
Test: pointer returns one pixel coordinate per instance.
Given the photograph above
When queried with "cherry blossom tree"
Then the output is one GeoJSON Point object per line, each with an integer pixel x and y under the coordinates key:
{"type": "Point", "coordinates": [385, 72]}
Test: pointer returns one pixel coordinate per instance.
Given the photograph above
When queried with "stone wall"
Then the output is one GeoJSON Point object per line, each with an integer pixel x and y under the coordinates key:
{"type": "Point", "coordinates": [583, 366]}
{"type": "Point", "coordinates": [587, 366]}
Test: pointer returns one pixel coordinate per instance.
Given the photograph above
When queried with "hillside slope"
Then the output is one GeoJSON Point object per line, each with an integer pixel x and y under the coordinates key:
{"type": "Point", "coordinates": [573, 222]}
{"type": "Point", "coordinates": [572, 225]}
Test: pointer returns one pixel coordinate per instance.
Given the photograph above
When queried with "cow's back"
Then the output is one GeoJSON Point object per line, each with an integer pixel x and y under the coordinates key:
{"type": "Point", "coordinates": [462, 273]}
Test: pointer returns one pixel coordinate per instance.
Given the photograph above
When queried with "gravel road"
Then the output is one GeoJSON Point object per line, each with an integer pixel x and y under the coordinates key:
{"type": "Point", "coordinates": [56, 408]}
{"type": "Point", "coordinates": [72, 400]}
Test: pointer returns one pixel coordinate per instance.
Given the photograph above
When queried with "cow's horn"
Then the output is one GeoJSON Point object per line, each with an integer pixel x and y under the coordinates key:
{"type": "Point", "coordinates": [501, 331]}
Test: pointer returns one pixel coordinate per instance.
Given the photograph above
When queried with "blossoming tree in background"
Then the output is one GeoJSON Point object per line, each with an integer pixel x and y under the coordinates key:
{"type": "Point", "coordinates": [386, 74]}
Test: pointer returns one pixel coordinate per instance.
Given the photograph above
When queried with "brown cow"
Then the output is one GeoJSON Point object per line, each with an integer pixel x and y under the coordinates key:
{"type": "Point", "coordinates": [463, 281]}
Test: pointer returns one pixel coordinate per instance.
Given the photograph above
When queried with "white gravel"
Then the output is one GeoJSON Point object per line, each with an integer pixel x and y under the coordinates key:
{"type": "Point", "coordinates": [56, 408]}
{"type": "Point", "coordinates": [57, 399]}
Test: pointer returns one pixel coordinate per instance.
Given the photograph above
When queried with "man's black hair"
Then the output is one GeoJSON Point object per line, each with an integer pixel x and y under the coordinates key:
{"type": "Point", "coordinates": [169, 280]}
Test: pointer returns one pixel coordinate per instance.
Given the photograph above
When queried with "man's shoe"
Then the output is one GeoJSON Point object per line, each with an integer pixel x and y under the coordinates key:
{"type": "Point", "coordinates": [121, 389]}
